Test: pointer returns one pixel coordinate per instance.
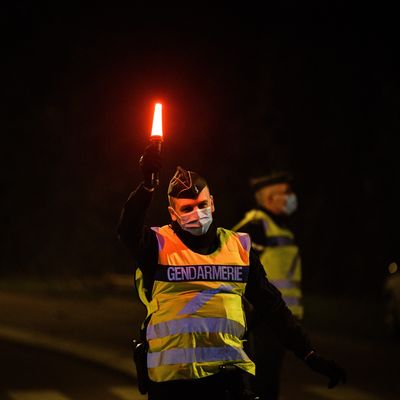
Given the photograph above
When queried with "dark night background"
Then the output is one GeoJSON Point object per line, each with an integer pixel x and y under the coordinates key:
{"type": "Point", "coordinates": [310, 89]}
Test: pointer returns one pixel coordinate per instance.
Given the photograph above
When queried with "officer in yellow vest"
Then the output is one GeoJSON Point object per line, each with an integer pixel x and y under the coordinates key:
{"type": "Point", "coordinates": [274, 242]}
{"type": "Point", "coordinates": [192, 278]}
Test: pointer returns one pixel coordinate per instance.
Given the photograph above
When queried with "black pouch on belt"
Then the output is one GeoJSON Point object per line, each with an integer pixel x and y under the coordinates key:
{"type": "Point", "coordinates": [140, 360]}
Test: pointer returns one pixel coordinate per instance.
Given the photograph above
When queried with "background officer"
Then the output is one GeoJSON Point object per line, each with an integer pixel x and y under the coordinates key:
{"type": "Point", "coordinates": [274, 242]}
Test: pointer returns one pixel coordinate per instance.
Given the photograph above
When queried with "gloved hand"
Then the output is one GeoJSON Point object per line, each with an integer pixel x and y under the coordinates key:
{"type": "Point", "coordinates": [329, 368]}
{"type": "Point", "coordinates": [150, 163]}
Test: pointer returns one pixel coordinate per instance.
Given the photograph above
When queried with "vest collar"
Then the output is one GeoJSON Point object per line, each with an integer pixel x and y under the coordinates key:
{"type": "Point", "coordinates": [203, 244]}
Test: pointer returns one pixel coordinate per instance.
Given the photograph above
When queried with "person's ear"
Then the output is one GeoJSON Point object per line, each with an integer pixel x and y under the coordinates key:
{"type": "Point", "coordinates": [270, 198]}
{"type": "Point", "coordinates": [172, 213]}
{"type": "Point", "coordinates": [212, 203]}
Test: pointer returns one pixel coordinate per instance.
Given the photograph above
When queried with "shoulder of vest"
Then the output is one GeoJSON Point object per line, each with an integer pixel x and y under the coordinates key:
{"type": "Point", "coordinates": [165, 229]}
{"type": "Point", "coordinates": [242, 238]}
{"type": "Point", "coordinates": [260, 214]}
{"type": "Point", "coordinates": [256, 215]}
{"type": "Point", "coordinates": [270, 227]}
{"type": "Point", "coordinates": [164, 232]}
{"type": "Point", "coordinates": [252, 216]}
{"type": "Point", "coordinates": [227, 232]}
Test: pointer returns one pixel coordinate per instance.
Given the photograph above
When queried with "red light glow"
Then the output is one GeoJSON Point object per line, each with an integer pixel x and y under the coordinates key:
{"type": "Point", "coordinates": [156, 131]}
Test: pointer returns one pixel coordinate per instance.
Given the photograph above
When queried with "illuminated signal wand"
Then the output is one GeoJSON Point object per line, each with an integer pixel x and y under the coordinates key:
{"type": "Point", "coordinates": [156, 138]}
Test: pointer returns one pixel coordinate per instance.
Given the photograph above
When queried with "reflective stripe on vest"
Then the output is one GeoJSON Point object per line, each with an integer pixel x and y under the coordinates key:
{"type": "Point", "coordinates": [202, 298]}
{"type": "Point", "coordinates": [193, 325]}
{"type": "Point", "coordinates": [196, 317]}
{"type": "Point", "coordinates": [196, 355]}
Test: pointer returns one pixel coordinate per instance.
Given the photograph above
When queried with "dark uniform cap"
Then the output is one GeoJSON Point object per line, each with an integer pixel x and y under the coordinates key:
{"type": "Point", "coordinates": [186, 184]}
{"type": "Point", "coordinates": [271, 179]}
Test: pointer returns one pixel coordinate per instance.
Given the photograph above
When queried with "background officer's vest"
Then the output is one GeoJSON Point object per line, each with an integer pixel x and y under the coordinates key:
{"type": "Point", "coordinates": [196, 320]}
{"type": "Point", "coordinates": [280, 259]}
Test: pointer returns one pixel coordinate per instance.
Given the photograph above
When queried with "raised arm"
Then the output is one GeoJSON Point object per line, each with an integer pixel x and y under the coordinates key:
{"type": "Point", "coordinates": [132, 230]}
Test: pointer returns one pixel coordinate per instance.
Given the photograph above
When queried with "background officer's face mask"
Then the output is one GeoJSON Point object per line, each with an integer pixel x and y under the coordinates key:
{"type": "Point", "coordinates": [196, 222]}
{"type": "Point", "coordinates": [291, 204]}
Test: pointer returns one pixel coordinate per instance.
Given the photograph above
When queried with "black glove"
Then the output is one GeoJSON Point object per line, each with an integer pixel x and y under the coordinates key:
{"type": "Point", "coordinates": [150, 164]}
{"type": "Point", "coordinates": [329, 368]}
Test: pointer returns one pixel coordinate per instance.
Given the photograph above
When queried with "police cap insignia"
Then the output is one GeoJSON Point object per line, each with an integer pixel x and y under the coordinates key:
{"type": "Point", "coordinates": [186, 184]}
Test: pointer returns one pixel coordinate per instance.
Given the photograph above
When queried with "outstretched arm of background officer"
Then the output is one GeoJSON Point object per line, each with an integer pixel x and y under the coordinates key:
{"type": "Point", "coordinates": [270, 308]}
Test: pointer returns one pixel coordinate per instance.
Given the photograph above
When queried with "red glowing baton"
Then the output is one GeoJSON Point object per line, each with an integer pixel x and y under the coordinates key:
{"type": "Point", "coordinates": [156, 137]}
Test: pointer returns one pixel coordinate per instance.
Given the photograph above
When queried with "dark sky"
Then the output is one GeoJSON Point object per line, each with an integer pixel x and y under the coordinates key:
{"type": "Point", "coordinates": [314, 90]}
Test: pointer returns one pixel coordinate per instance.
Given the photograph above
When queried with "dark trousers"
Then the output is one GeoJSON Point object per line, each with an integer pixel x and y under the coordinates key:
{"type": "Point", "coordinates": [264, 348]}
{"type": "Point", "coordinates": [221, 386]}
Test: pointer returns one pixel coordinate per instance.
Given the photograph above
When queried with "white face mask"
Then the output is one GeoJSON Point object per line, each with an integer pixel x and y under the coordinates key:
{"type": "Point", "coordinates": [291, 204]}
{"type": "Point", "coordinates": [195, 222]}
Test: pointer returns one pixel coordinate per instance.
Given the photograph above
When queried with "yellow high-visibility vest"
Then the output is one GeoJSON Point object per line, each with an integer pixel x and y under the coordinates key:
{"type": "Point", "coordinates": [196, 321]}
{"type": "Point", "coordinates": [280, 259]}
